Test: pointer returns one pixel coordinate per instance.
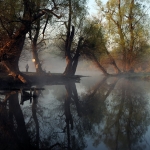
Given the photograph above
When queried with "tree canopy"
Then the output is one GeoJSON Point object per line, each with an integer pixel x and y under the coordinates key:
{"type": "Point", "coordinates": [118, 35]}
{"type": "Point", "coordinates": [127, 26]}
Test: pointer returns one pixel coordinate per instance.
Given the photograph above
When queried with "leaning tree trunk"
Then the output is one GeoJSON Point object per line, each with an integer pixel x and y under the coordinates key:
{"type": "Point", "coordinates": [10, 56]}
{"type": "Point", "coordinates": [14, 71]}
{"type": "Point", "coordinates": [99, 66]}
{"type": "Point", "coordinates": [73, 62]}
{"type": "Point", "coordinates": [113, 62]}
{"type": "Point", "coordinates": [76, 56]}
{"type": "Point", "coordinates": [11, 51]}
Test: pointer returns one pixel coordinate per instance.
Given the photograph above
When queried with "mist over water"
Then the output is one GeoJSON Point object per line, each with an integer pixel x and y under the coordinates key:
{"type": "Point", "coordinates": [95, 113]}
{"type": "Point", "coordinates": [45, 107]}
{"type": "Point", "coordinates": [107, 109]}
{"type": "Point", "coordinates": [57, 65]}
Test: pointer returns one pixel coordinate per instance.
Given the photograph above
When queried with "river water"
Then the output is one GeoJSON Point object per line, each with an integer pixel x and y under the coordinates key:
{"type": "Point", "coordinates": [96, 114]}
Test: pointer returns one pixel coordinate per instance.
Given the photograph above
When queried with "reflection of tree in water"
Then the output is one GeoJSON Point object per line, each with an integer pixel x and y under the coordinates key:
{"type": "Point", "coordinates": [40, 124]}
{"type": "Point", "coordinates": [126, 118]}
{"type": "Point", "coordinates": [114, 112]}
{"type": "Point", "coordinates": [5, 127]}
{"type": "Point", "coordinates": [59, 127]}
{"type": "Point", "coordinates": [75, 140]}
{"type": "Point", "coordinates": [12, 126]}
{"type": "Point", "coordinates": [15, 134]}
{"type": "Point", "coordinates": [94, 107]}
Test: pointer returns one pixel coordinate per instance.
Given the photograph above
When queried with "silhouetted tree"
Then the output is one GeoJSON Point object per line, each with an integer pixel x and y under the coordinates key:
{"type": "Point", "coordinates": [16, 21]}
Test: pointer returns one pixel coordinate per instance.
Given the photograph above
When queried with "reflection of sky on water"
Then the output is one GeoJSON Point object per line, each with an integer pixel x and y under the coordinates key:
{"type": "Point", "coordinates": [102, 146]}
{"type": "Point", "coordinates": [51, 106]}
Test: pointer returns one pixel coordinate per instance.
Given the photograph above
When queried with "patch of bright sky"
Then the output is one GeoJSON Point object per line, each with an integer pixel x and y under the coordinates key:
{"type": "Point", "coordinates": [93, 7]}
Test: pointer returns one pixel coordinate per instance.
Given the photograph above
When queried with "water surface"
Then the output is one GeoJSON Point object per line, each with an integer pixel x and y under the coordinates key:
{"type": "Point", "coordinates": [97, 113]}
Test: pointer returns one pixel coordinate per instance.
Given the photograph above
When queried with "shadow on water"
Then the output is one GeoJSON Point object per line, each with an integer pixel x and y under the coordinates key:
{"type": "Point", "coordinates": [112, 114]}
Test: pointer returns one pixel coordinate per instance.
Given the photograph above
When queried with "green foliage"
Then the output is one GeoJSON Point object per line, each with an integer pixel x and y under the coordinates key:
{"type": "Point", "coordinates": [94, 42]}
{"type": "Point", "coordinates": [127, 26]}
{"type": "Point", "coordinates": [77, 13]}
{"type": "Point", "coordinates": [9, 12]}
{"type": "Point", "coordinates": [124, 29]}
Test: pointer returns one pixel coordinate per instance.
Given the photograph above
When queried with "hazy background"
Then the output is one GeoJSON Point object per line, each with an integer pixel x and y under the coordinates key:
{"type": "Point", "coordinates": [55, 64]}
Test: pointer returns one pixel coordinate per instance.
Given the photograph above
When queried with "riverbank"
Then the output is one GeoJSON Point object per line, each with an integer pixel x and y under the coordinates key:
{"type": "Point", "coordinates": [141, 75]}
{"type": "Point", "coordinates": [58, 78]}
{"type": "Point", "coordinates": [38, 79]}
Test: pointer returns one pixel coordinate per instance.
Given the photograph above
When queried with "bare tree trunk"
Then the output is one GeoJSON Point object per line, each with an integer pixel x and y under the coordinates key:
{"type": "Point", "coordinates": [37, 63]}
{"type": "Point", "coordinates": [113, 62]}
{"type": "Point", "coordinates": [69, 39]}
{"type": "Point", "coordinates": [68, 69]}
{"type": "Point", "coordinates": [73, 62]}
{"type": "Point", "coordinates": [13, 48]}
{"type": "Point", "coordinates": [34, 43]}
{"type": "Point", "coordinates": [68, 43]}
{"type": "Point", "coordinates": [121, 34]}
{"type": "Point", "coordinates": [132, 37]}
{"type": "Point", "coordinates": [76, 56]}
{"type": "Point", "coordinates": [12, 55]}
{"type": "Point", "coordinates": [13, 71]}
{"type": "Point", "coordinates": [99, 65]}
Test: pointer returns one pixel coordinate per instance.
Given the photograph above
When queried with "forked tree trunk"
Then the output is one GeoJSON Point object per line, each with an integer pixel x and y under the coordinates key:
{"type": "Point", "coordinates": [76, 56]}
{"type": "Point", "coordinates": [34, 44]}
{"type": "Point", "coordinates": [73, 62]}
{"type": "Point", "coordinates": [37, 63]}
{"type": "Point", "coordinates": [68, 43]}
{"type": "Point", "coordinates": [14, 47]}
{"type": "Point", "coordinates": [71, 65]}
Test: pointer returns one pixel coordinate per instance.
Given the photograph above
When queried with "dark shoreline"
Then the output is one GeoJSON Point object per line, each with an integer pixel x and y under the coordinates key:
{"type": "Point", "coordinates": [58, 78]}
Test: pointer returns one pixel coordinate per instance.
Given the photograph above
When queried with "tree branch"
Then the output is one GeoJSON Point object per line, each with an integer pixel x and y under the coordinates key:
{"type": "Point", "coordinates": [4, 27]}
